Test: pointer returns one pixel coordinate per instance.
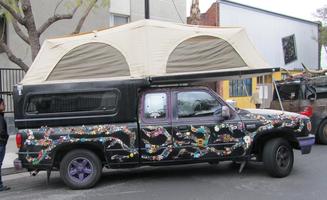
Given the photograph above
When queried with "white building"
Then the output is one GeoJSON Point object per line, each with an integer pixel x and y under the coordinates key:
{"type": "Point", "coordinates": [284, 41]}
{"type": "Point", "coordinates": [119, 12]}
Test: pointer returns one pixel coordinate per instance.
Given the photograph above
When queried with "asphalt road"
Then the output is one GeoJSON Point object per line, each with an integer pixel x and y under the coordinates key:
{"type": "Point", "coordinates": [308, 180]}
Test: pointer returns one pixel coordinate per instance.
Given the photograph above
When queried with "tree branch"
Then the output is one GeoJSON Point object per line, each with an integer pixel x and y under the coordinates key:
{"type": "Point", "coordinates": [15, 15]}
{"type": "Point", "coordinates": [82, 20]}
{"type": "Point", "coordinates": [12, 57]}
{"type": "Point", "coordinates": [19, 32]}
{"type": "Point", "coordinates": [56, 18]}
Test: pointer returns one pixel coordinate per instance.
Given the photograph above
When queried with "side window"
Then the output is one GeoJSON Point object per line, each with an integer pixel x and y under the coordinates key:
{"type": "Point", "coordinates": [73, 102]}
{"type": "Point", "coordinates": [155, 106]}
{"type": "Point", "coordinates": [197, 104]}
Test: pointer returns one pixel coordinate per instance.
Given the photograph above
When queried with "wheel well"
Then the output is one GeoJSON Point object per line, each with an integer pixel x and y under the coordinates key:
{"type": "Point", "coordinates": [260, 141]}
{"type": "Point", "coordinates": [62, 151]}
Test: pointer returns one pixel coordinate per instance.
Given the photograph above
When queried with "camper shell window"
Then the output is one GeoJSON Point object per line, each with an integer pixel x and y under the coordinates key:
{"type": "Point", "coordinates": [288, 92]}
{"type": "Point", "coordinates": [104, 101]}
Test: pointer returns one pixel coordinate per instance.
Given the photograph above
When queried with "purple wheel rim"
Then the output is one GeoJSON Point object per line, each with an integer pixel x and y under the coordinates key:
{"type": "Point", "coordinates": [80, 169]}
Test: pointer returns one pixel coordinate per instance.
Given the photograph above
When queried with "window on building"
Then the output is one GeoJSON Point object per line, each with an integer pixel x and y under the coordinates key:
{"type": "Point", "coordinates": [73, 102]}
{"type": "Point", "coordinates": [3, 30]}
{"type": "Point", "coordinates": [240, 88]}
{"type": "Point", "coordinates": [117, 20]}
{"type": "Point", "coordinates": [197, 104]}
{"type": "Point", "coordinates": [264, 79]}
{"type": "Point", "coordinates": [289, 49]}
{"type": "Point", "coordinates": [155, 106]}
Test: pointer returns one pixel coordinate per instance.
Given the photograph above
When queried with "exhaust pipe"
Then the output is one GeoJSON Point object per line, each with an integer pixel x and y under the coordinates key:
{"type": "Point", "coordinates": [34, 173]}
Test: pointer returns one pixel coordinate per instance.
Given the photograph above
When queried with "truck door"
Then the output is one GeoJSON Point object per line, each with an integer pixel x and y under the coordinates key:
{"type": "Point", "coordinates": [155, 126]}
{"type": "Point", "coordinates": [199, 131]}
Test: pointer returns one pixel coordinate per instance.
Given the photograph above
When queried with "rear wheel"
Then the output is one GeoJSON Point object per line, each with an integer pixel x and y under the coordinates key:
{"type": "Point", "coordinates": [322, 133]}
{"type": "Point", "coordinates": [278, 157]}
{"type": "Point", "coordinates": [80, 169]}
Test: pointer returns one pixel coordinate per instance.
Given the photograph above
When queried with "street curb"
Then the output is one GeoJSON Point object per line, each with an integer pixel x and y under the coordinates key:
{"type": "Point", "coordinates": [11, 171]}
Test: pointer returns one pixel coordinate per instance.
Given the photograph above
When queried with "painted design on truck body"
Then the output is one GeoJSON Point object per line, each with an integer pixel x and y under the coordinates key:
{"type": "Point", "coordinates": [193, 143]}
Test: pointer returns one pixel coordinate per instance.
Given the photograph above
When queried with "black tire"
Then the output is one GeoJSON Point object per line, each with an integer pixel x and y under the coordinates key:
{"type": "Point", "coordinates": [322, 133]}
{"type": "Point", "coordinates": [80, 169]}
{"type": "Point", "coordinates": [278, 157]}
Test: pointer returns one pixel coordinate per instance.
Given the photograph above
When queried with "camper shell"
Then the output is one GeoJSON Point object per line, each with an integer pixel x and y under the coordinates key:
{"type": "Point", "coordinates": [41, 105]}
{"type": "Point", "coordinates": [133, 102]}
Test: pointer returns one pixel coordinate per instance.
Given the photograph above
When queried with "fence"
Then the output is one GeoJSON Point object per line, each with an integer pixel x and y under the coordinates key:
{"type": "Point", "coordinates": [8, 79]}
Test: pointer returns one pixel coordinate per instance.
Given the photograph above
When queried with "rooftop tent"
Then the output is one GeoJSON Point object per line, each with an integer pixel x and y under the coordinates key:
{"type": "Point", "coordinates": [146, 48]}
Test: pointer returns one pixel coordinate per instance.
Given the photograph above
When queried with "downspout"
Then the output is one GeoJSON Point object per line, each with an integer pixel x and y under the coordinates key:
{"type": "Point", "coordinates": [147, 9]}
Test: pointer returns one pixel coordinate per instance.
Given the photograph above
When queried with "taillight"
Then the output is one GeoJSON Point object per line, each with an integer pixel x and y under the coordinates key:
{"type": "Point", "coordinates": [19, 140]}
{"type": "Point", "coordinates": [308, 111]}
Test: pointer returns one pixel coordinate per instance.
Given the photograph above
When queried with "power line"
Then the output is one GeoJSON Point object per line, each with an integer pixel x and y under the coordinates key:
{"type": "Point", "coordinates": [177, 11]}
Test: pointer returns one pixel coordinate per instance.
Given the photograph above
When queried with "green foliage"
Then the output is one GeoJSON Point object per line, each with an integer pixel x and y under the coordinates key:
{"type": "Point", "coordinates": [321, 13]}
{"type": "Point", "coordinates": [15, 5]}
{"type": "Point", "coordinates": [323, 36]}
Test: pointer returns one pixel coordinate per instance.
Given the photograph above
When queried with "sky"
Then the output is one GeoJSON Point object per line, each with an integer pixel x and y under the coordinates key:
{"type": "Point", "coordinates": [303, 9]}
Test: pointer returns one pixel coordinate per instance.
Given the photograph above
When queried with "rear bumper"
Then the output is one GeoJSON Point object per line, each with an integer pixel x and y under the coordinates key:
{"type": "Point", "coordinates": [305, 143]}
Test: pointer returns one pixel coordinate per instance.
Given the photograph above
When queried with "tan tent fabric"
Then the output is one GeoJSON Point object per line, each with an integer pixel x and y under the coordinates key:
{"type": "Point", "coordinates": [203, 53]}
{"type": "Point", "coordinates": [150, 48]}
{"type": "Point", "coordinates": [93, 60]}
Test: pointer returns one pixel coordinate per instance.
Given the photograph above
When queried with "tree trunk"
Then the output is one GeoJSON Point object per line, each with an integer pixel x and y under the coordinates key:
{"type": "Point", "coordinates": [82, 20]}
{"type": "Point", "coordinates": [31, 28]}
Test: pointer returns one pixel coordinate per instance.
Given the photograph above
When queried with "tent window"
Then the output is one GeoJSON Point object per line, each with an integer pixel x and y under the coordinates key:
{"type": "Point", "coordinates": [92, 60]}
{"type": "Point", "coordinates": [203, 53]}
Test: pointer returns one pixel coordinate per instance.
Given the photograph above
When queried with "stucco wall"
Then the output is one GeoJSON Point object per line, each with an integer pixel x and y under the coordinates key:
{"type": "Point", "coordinates": [160, 10]}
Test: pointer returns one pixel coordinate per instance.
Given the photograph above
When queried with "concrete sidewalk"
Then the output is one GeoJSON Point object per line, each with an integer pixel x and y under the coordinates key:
{"type": "Point", "coordinates": [11, 155]}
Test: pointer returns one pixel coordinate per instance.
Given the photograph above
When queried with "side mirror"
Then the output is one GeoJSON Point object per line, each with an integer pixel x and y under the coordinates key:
{"type": "Point", "coordinates": [225, 112]}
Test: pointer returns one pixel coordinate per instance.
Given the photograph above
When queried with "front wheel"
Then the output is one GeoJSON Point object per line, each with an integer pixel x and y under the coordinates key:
{"type": "Point", "coordinates": [80, 169]}
{"type": "Point", "coordinates": [278, 157]}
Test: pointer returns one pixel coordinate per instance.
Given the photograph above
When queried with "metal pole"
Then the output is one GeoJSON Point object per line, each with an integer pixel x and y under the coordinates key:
{"type": "Point", "coordinates": [277, 92]}
{"type": "Point", "coordinates": [147, 9]}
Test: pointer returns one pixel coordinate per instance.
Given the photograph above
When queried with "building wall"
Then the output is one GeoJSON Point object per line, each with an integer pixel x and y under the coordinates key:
{"type": "Point", "coordinates": [99, 18]}
{"type": "Point", "coordinates": [266, 31]}
{"type": "Point", "coordinates": [245, 101]}
{"type": "Point", "coordinates": [211, 17]}
{"type": "Point", "coordinates": [241, 102]}
{"type": "Point", "coordinates": [160, 10]}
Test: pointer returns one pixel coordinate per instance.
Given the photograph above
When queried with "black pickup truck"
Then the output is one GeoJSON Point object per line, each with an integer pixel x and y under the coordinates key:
{"type": "Point", "coordinates": [79, 128]}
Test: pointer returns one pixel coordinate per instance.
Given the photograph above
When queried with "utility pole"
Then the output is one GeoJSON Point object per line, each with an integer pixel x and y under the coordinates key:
{"type": "Point", "coordinates": [147, 9]}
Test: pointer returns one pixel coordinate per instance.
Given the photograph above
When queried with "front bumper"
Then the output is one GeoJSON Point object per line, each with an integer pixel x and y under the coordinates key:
{"type": "Point", "coordinates": [305, 143]}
